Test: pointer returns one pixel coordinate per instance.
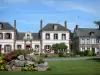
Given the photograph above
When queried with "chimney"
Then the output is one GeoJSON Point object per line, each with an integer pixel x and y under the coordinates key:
{"type": "Point", "coordinates": [14, 24]}
{"type": "Point", "coordinates": [76, 27]}
{"type": "Point", "coordinates": [65, 23]}
{"type": "Point", "coordinates": [41, 22]}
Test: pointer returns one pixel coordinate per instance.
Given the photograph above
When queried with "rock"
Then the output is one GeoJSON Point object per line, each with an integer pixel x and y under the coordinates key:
{"type": "Point", "coordinates": [21, 57]}
{"type": "Point", "coordinates": [9, 67]}
{"type": "Point", "coordinates": [41, 67]}
{"type": "Point", "coordinates": [14, 68]}
{"type": "Point", "coordinates": [29, 63]}
{"type": "Point", "coordinates": [30, 57]}
{"type": "Point", "coordinates": [46, 64]}
{"type": "Point", "coordinates": [20, 63]}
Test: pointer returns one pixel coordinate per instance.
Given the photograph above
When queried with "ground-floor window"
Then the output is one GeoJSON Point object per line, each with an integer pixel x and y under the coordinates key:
{"type": "Point", "coordinates": [88, 48]}
{"type": "Point", "coordinates": [47, 48]}
{"type": "Point", "coordinates": [83, 48]}
{"type": "Point", "coordinates": [36, 46]}
{"type": "Point", "coordinates": [18, 46]}
{"type": "Point", "coordinates": [7, 48]}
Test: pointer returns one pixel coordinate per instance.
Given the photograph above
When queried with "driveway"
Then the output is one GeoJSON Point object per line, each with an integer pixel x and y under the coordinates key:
{"type": "Point", "coordinates": [76, 58]}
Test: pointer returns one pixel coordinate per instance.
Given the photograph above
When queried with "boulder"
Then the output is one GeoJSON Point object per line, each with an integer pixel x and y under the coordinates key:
{"type": "Point", "coordinates": [29, 63]}
{"type": "Point", "coordinates": [20, 63]}
{"type": "Point", "coordinates": [21, 57]}
{"type": "Point", "coordinates": [30, 57]}
{"type": "Point", "coordinates": [46, 64]}
{"type": "Point", "coordinates": [41, 67]}
{"type": "Point", "coordinates": [9, 67]}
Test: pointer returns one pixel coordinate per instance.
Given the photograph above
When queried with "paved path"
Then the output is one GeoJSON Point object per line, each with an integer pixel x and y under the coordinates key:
{"type": "Point", "coordinates": [77, 58]}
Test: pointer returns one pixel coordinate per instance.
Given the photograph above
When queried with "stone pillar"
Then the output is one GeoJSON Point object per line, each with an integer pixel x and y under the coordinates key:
{"type": "Point", "coordinates": [41, 35]}
{"type": "Point", "coordinates": [14, 33]}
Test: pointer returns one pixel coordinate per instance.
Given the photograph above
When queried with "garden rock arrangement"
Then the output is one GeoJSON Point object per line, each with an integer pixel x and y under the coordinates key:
{"type": "Point", "coordinates": [27, 62]}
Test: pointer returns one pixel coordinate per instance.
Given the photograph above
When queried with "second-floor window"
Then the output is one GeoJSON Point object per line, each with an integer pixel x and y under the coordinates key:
{"type": "Point", "coordinates": [8, 36]}
{"type": "Point", "coordinates": [97, 41]}
{"type": "Point", "coordinates": [1, 35]}
{"type": "Point", "coordinates": [63, 36]}
{"type": "Point", "coordinates": [56, 36]}
{"type": "Point", "coordinates": [88, 41]}
{"type": "Point", "coordinates": [47, 36]}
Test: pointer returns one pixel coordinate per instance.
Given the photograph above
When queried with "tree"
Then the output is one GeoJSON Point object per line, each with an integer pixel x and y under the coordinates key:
{"type": "Point", "coordinates": [97, 23]}
{"type": "Point", "coordinates": [62, 46]}
{"type": "Point", "coordinates": [55, 47]}
{"type": "Point", "coordinates": [59, 46]}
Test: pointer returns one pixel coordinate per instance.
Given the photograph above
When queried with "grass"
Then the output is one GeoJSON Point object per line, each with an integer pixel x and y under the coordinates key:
{"type": "Point", "coordinates": [69, 67]}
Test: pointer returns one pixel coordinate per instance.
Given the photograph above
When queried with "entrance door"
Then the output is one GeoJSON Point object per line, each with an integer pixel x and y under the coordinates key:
{"type": "Point", "coordinates": [27, 47]}
{"type": "Point", "coordinates": [93, 50]}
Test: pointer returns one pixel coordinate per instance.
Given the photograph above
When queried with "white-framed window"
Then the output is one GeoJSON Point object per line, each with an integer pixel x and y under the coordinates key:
{"type": "Point", "coordinates": [19, 47]}
{"type": "Point", "coordinates": [88, 48]}
{"type": "Point", "coordinates": [28, 36]}
{"type": "Point", "coordinates": [47, 36]}
{"type": "Point", "coordinates": [88, 41]}
{"type": "Point", "coordinates": [83, 41]}
{"type": "Point", "coordinates": [56, 36]}
{"type": "Point", "coordinates": [63, 36]}
{"type": "Point", "coordinates": [8, 36]}
{"type": "Point", "coordinates": [7, 48]}
{"type": "Point", "coordinates": [1, 35]}
{"type": "Point", "coordinates": [83, 48]}
{"type": "Point", "coordinates": [36, 46]}
{"type": "Point", "coordinates": [97, 41]}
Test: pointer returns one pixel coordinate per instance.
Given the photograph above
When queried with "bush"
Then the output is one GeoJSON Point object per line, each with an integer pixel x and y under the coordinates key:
{"type": "Point", "coordinates": [40, 61]}
{"type": "Point", "coordinates": [81, 53]}
{"type": "Point", "coordinates": [46, 55]}
{"type": "Point", "coordinates": [68, 55]}
{"type": "Point", "coordinates": [60, 54]}
{"type": "Point", "coordinates": [90, 53]}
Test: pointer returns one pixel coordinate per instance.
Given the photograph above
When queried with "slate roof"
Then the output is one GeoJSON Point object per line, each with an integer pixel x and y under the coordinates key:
{"type": "Point", "coordinates": [49, 27]}
{"type": "Point", "coordinates": [6, 26]}
{"type": "Point", "coordinates": [86, 31]}
{"type": "Point", "coordinates": [20, 36]}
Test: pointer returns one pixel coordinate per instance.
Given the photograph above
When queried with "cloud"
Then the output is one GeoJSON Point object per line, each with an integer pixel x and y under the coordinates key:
{"type": "Point", "coordinates": [16, 1]}
{"type": "Point", "coordinates": [66, 5]}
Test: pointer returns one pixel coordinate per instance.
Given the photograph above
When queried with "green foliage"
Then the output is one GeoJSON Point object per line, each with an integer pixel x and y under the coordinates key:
{"type": "Point", "coordinates": [90, 53]}
{"type": "Point", "coordinates": [26, 68]}
{"type": "Point", "coordinates": [60, 54]}
{"type": "Point", "coordinates": [40, 61]}
{"type": "Point", "coordinates": [48, 68]}
{"type": "Point", "coordinates": [58, 46]}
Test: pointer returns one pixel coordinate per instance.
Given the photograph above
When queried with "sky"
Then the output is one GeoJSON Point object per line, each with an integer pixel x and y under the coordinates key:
{"type": "Point", "coordinates": [28, 13]}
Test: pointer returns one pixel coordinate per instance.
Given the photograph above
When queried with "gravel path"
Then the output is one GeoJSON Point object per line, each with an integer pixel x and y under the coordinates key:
{"type": "Point", "coordinates": [77, 58]}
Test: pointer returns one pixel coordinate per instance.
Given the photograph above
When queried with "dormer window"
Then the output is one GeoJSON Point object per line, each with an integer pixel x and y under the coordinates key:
{"type": "Point", "coordinates": [28, 36]}
{"type": "Point", "coordinates": [55, 27]}
{"type": "Point", "coordinates": [91, 33]}
{"type": "Point", "coordinates": [1, 25]}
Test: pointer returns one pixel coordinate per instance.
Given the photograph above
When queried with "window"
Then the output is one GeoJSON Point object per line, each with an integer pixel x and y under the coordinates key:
{"type": "Point", "coordinates": [28, 36]}
{"type": "Point", "coordinates": [36, 46]}
{"type": "Point", "coordinates": [83, 48]}
{"type": "Point", "coordinates": [55, 27]}
{"type": "Point", "coordinates": [7, 48]}
{"type": "Point", "coordinates": [63, 36]}
{"type": "Point", "coordinates": [83, 41]}
{"type": "Point", "coordinates": [56, 36]}
{"type": "Point", "coordinates": [18, 46]}
{"type": "Point", "coordinates": [47, 36]}
{"type": "Point", "coordinates": [97, 41]}
{"type": "Point", "coordinates": [88, 48]}
{"type": "Point", "coordinates": [1, 35]}
{"type": "Point", "coordinates": [7, 36]}
{"type": "Point", "coordinates": [88, 42]}
{"type": "Point", "coordinates": [1, 26]}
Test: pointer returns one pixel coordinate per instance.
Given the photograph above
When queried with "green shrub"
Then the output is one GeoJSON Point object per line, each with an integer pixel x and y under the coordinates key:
{"type": "Point", "coordinates": [60, 54]}
{"type": "Point", "coordinates": [46, 55]}
{"type": "Point", "coordinates": [68, 55]}
{"type": "Point", "coordinates": [90, 53]}
{"type": "Point", "coordinates": [48, 68]}
{"type": "Point", "coordinates": [81, 53]}
{"type": "Point", "coordinates": [40, 61]}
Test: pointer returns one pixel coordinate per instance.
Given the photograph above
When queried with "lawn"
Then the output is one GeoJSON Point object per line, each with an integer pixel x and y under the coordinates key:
{"type": "Point", "coordinates": [66, 67]}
